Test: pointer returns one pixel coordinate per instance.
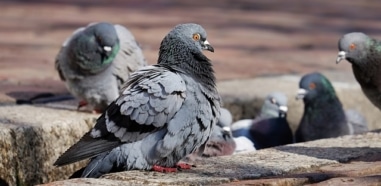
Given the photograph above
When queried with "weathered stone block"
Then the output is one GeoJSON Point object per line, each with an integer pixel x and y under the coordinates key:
{"type": "Point", "coordinates": [35, 137]}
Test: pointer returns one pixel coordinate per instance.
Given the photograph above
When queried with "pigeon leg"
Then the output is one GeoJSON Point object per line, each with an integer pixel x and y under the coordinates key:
{"type": "Point", "coordinates": [96, 111]}
{"type": "Point", "coordinates": [184, 165]}
{"type": "Point", "coordinates": [81, 104]}
{"type": "Point", "coordinates": [163, 169]}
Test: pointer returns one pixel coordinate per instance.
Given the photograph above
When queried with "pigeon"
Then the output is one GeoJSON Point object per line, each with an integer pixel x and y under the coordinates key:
{"type": "Point", "coordinates": [96, 60]}
{"type": "Point", "coordinates": [324, 116]}
{"type": "Point", "coordinates": [364, 53]}
{"type": "Point", "coordinates": [270, 128]}
{"type": "Point", "coordinates": [165, 112]}
{"type": "Point", "coordinates": [221, 142]}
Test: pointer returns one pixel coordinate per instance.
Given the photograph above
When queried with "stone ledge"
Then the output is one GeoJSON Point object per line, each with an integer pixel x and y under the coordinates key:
{"type": "Point", "coordinates": [32, 137]}
{"type": "Point", "coordinates": [279, 161]}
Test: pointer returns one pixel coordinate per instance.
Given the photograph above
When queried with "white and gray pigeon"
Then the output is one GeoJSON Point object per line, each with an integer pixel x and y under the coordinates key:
{"type": "Point", "coordinates": [165, 111]}
{"type": "Point", "coordinates": [270, 128]}
{"type": "Point", "coordinates": [364, 53]}
{"type": "Point", "coordinates": [220, 143]}
{"type": "Point", "coordinates": [96, 60]}
{"type": "Point", "coordinates": [324, 116]}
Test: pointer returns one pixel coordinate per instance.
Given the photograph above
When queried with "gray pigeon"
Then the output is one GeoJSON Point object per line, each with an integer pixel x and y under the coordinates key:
{"type": "Point", "coordinates": [270, 128]}
{"type": "Point", "coordinates": [96, 60]}
{"type": "Point", "coordinates": [324, 116]}
{"type": "Point", "coordinates": [364, 53]}
{"type": "Point", "coordinates": [165, 112]}
{"type": "Point", "coordinates": [220, 143]}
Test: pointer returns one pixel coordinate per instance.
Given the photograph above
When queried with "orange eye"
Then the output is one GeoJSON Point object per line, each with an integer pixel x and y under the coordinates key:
{"type": "Point", "coordinates": [196, 37]}
{"type": "Point", "coordinates": [352, 46]}
{"type": "Point", "coordinates": [312, 86]}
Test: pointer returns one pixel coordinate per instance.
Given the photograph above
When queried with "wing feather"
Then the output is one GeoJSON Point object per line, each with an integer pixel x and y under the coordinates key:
{"type": "Point", "coordinates": [143, 108]}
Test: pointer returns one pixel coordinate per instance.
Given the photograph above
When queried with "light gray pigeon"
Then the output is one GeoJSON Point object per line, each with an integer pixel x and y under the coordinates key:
{"type": "Point", "coordinates": [96, 60]}
{"type": "Point", "coordinates": [364, 53]}
{"type": "Point", "coordinates": [270, 128]}
{"type": "Point", "coordinates": [220, 143]}
{"type": "Point", "coordinates": [165, 112]}
{"type": "Point", "coordinates": [324, 116]}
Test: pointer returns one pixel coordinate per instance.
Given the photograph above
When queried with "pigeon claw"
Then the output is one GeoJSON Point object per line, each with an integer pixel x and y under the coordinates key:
{"type": "Point", "coordinates": [158, 168]}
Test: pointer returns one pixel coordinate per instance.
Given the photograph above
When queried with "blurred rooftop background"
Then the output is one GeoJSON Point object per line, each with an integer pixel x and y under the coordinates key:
{"type": "Point", "coordinates": [251, 38]}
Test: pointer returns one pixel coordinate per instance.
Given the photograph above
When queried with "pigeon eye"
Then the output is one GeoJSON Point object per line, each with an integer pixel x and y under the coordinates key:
{"type": "Point", "coordinates": [273, 101]}
{"type": "Point", "coordinates": [196, 37]}
{"type": "Point", "coordinates": [312, 86]}
{"type": "Point", "coordinates": [352, 46]}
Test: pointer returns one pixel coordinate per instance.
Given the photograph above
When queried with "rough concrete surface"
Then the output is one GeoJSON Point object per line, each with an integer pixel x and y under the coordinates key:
{"type": "Point", "coordinates": [279, 161]}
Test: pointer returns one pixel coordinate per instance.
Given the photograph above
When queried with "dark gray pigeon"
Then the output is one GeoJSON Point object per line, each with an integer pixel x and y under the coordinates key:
{"type": "Point", "coordinates": [96, 60]}
{"type": "Point", "coordinates": [324, 116]}
{"type": "Point", "coordinates": [165, 112]}
{"type": "Point", "coordinates": [220, 143]}
{"type": "Point", "coordinates": [270, 128]}
{"type": "Point", "coordinates": [364, 53]}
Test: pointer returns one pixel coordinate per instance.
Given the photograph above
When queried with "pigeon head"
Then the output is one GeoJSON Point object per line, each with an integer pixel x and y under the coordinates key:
{"type": "Point", "coordinates": [182, 49]}
{"type": "Point", "coordinates": [352, 47]}
{"type": "Point", "coordinates": [190, 37]}
{"type": "Point", "coordinates": [275, 105]}
{"type": "Point", "coordinates": [314, 86]}
{"type": "Point", "coordinates": [95, 47]}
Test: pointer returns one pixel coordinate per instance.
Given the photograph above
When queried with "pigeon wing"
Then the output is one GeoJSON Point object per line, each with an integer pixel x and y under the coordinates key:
{"type": "Point", "coordinates": [130, 56]}
{"type": "Point", "coordinates": [151, 98]}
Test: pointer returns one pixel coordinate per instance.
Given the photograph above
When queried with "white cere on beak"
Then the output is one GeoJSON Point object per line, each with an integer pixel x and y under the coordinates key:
{"type": "Point", "coordinates": [107, 48]}
{"type": "Point", "coordinates": [206, 42]}
{"type": "Point", "coordinates": [340, 56]}
{"type": "Point", "coordinates": [283, 108]}
{"type": "Point", "coordinates": [301, 93]}
{"type": "Point", "coordinates": [227, 129]}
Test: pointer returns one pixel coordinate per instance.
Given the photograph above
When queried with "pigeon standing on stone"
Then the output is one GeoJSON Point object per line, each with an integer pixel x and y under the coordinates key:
{"type": "Point", "coordinates": [165, 112]}
{"type": "Point", "coordinates": [324, 116]}
{"type": "Point", "coordinates": [96, 60]}
{"type": "Point", "coordinates": [221, 142]}
{"type": "Point", "coordinates": [270, 128]}
{"type": "Point", "coordinates": [364, 53]}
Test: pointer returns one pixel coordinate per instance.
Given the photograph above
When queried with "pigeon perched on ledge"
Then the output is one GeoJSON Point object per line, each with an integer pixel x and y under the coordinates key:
{"type": "Point", "coordinates": [364, 53]}
{"type": "Point", "coordinates": [270, 128]}
{"type": "Point", "coordinates": [324, 116]}
{"type": "Point", "coordinates": [165, 112]}
{"type": "Point", "coordinates": [95, 62]}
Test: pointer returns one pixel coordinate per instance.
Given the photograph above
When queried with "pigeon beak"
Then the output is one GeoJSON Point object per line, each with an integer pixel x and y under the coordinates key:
{"type": "Point", "coordinates": [206, 46]}
{"type": "Point", "coordinates": [301, 93]}
{"type": "Point", "coordinates": [340, 56]}
{"type": "Point", "coordinates": [283, 108]}
{"type": "Point", "coordinates": [226, 133]}
{"type": "Point", "coordinates": [227, 129]}
{"type": "Point", "coordinates": [283, 111]}
{"type": "Point", "coordinates": [107, 48]}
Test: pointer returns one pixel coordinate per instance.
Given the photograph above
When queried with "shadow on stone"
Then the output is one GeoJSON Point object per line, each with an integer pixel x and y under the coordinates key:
{"type": "Point", "coordinates": [340, 154]}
